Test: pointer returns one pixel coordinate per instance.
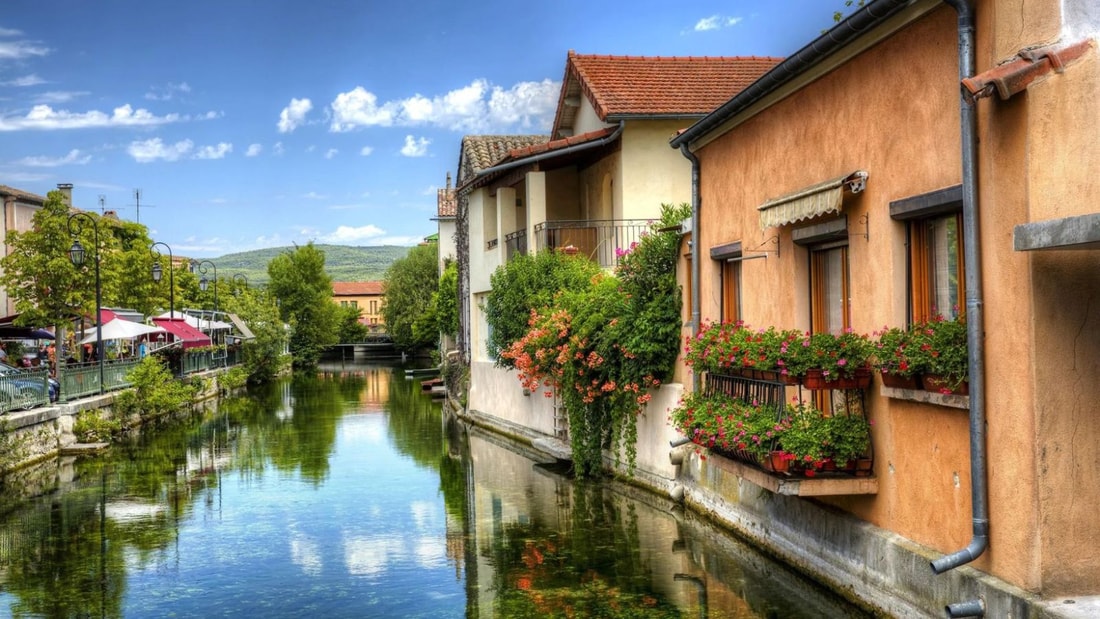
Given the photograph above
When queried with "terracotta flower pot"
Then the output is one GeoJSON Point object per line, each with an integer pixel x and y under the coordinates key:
{"type": "Point", "coordinates": [938, 384]}
{"type": "Point", "coordinates": [900, 382]}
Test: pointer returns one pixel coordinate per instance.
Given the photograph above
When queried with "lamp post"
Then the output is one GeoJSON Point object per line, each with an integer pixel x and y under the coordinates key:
{"type": "Point", "coordinates": [157, 274]}
{"type": "Point", "coordinates": [203, 283]}
{"type": "Point", "coordinates": [77, 255]}
{"type": "Point", "coordinates": [239, 278]}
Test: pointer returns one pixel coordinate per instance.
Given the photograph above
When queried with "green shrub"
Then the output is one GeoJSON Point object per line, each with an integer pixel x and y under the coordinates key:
{"type": "Point", "coordinates": [92, 427]}
{"type": "Point", "coordinates": [155, 391]}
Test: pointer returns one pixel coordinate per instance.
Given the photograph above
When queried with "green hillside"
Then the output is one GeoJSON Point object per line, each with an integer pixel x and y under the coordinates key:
{"type": "Point", "coordinates": [343, 263]}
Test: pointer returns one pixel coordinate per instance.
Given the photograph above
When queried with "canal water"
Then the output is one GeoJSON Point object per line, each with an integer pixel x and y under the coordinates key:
{"type": "Point", "coordinates": [347, 494]}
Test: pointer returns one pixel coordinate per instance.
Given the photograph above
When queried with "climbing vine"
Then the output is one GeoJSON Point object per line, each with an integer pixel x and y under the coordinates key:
{"type": "Point", "coordinates": [604, 344]}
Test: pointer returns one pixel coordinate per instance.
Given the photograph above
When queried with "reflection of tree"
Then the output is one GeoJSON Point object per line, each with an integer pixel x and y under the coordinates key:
{"type": "Point", "coordinates": [591, 568]}
{"type": "Point", "coordinates": [415, 422]}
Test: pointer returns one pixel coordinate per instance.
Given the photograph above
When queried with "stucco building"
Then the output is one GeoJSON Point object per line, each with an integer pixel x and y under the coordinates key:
{"type": "Point", "coordinates": [927, 157]}
{"type": "Point", "coordinates": [365, 296]}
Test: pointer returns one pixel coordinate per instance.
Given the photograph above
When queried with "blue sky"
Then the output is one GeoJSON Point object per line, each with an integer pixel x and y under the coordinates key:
{"type": "Point", "coordinates": [264, 123]}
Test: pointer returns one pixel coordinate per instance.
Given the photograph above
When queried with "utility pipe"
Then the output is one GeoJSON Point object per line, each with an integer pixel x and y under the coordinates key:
{"type": "Point", "coordinates": [973, 608]}
{"type": "Point", "coordinates": [696, 203]}
{"type": "Point", "coordinates": [974, 323]}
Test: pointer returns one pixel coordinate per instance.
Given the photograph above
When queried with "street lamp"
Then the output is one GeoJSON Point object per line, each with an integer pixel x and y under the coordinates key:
{"type": "Point", "coordinates": [77, 255]}
{"type": "Point", "coordinates": [203, 282]}
{"type": "Point", "coordinates": [157, 272]}
{"type": "Point", "coordinates": [239, 278]}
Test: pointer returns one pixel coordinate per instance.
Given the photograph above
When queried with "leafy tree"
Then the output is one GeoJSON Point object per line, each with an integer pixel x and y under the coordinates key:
{"type": "Point", "coordinates": [408, 287]}
{"type": "Point", "coordinates": [446, 300]}
{"type": "Point", "coordinates": [304, 293]}
{"type": "Point", "coordinates": [351, 330]}
{"type": "Point", "coordinates": [262, 356]}
{"type": "Point", "coordinates": [529, 283]}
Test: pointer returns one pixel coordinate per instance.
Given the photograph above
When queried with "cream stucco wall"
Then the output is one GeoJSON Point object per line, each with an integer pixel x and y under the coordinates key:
{"type": "Point", "coordinates": [587, 119]}
{"type": "Point", "coordinates": [652, 173]}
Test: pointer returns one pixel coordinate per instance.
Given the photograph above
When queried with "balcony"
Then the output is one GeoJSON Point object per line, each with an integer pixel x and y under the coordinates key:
{"type": "Point", "coordinates": [515, 243]}
{"type": "Point", "coordinates": [597, 239]}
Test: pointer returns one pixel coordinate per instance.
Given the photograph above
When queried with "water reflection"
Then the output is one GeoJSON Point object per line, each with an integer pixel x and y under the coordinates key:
{"type": "Point", "coordinates": [348, 495]}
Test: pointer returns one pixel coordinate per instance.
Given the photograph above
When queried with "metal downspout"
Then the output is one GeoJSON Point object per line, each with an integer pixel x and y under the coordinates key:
{"type": "Point", "coordinates": [974, 323]}
{"type": "Point", "coordinates": [696, 311]}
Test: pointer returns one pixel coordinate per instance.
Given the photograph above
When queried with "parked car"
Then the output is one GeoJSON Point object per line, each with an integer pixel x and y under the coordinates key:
{"type": "Point", "coordinates": [24, 389]}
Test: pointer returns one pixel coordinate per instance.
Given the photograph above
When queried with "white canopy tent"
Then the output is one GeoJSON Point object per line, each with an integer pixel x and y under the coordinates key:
{"type": "Point", "coordinates": [202, 324]}
{"type": "Point", "coordinates": [121, 329]}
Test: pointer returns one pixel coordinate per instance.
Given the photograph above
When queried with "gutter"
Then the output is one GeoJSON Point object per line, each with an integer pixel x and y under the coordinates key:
{"type": "Point", "coordinates": [696, 269]}
{"type": "Point", "coordinates": [974, 322]}
{"type": "Point", "coordinates": [614, 135]}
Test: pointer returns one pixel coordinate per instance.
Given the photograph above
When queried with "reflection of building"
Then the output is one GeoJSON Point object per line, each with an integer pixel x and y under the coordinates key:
{"type": "Point", "coordinates": [366, 296]}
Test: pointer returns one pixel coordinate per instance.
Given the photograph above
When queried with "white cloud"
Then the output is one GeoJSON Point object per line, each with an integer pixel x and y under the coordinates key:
{"type": "Point", "coordinates": [415, 147]}
{"type": "Point", "coordinates": [277, 148]}
{"type": "Point", "coordinates": [45, 117]}
{"type": "Point", "coordinates": [26, 80]}
{"type": "Point", "coordinates": [167, 92]}
{"type": "Point", "coordinates": [294, 114]}
{"type": "Point", "coordinates": [211, 115]}
{"type": "Point", "coordinates": [313, 195]}
{"type": "Point", "coordinates": [59, 96]}
{"type": "Point", "coordinates": [348, 235]}
{"type": "Point", "coordinates": [477, 107]}
{"type": "Point", "coordinates": [18, 50]}
{"type": "Point", "coordinates": [153, 149]}
{"type": "Point", "coordinates": [74, 157]}
{"type": "Point", "coordinates": [254, 150]}
{"type": "Point", "coordinates": [330, 153]}
{"type": "Point", "coordinates": [214, 152]}
{"type": "Point", "coordinates": [716, 22]}
{"type": "Point", "coordinates": [366, 150]}
{"type": "Point", "coordinates": [9, 32]}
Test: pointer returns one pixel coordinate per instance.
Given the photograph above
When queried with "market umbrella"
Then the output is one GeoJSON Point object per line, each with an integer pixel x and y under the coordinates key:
{"type": "Point", "coordinates": [121, 329]}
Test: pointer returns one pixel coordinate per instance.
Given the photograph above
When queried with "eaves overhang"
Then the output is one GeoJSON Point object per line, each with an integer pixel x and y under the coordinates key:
{"type": "Point", "coordinates": [863, 29]}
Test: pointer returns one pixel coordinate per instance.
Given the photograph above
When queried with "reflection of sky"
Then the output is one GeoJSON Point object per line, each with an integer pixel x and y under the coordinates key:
{"type": "Point", "coordinates": [371, 536]}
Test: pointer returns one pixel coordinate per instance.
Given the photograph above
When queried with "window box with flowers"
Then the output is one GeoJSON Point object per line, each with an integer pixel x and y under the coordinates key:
{"type": "Point", "coordinates": [894, 358]}
{"type": "Point", "coordinates": [941, 352]}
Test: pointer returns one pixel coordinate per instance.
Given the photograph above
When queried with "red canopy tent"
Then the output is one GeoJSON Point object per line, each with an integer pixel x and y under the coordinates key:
{"type": "Point", "coordinates": [183, 332]}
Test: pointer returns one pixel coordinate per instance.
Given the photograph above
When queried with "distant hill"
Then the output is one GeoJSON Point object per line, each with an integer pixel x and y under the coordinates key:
{"type": "Point", "coordinates": [343, 263]}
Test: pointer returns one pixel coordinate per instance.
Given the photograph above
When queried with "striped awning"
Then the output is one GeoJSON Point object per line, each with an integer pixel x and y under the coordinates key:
{"type": "Point", "coordinates": [810, 202]}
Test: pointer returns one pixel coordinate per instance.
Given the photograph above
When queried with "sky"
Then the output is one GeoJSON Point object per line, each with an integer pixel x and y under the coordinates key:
{"type": "Point", "coordinates": [228, 126]}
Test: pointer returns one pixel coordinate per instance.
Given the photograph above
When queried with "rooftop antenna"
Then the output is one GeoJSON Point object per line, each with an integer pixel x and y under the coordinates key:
{"type": "Point", "coordinates": [102, 204]}
{"type": "Point", "coordinates": [137, 204]}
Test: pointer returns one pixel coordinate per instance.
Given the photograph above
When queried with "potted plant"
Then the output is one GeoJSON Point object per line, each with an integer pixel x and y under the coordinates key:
{"type": "Point", "coordinates": [837, 361]}
{"type": "Point", "coordinates": [806, 436]}
{"type": "Point", "coordinates": [893, 358]}
{"type": "Point", "coordinates": [732, 427]}
{"type": "Point", "coordinates": [942, 353]}
{"type": "Point", "coordinates": [849, 437]}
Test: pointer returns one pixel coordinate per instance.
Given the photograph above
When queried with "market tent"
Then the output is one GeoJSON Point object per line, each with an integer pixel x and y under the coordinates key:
{"type": "Point", "coordinates": [120, 329]}
{"type": "Point", "coordinates": [183, 332]}
{"type": "Point", "coordinates": [201, 324]}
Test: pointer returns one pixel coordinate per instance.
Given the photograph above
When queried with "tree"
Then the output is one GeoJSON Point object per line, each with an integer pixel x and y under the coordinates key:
{"type": "Point", "coordinates": [304, 293]}
{"type": "Point", "coordinates": [446, 302]}
{"type": "Point", "coordinates": [351, 330]}
{"type": "Point", "coordinates": [408, 287]}
{"type": "Point", "coordinates": [262, 356]}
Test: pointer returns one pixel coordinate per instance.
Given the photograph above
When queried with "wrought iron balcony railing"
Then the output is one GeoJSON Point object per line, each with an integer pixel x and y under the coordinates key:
{"type": "Point", "coordinates": [600, 240]}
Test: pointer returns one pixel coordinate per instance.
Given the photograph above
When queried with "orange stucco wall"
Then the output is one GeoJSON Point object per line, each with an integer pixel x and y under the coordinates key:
{"type": "Point", "coordinates": [893, 111]}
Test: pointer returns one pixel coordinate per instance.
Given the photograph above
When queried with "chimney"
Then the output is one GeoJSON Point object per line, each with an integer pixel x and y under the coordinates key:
{"type": "Point", "coordinates": [66, 190]}
{"type": "Point", "coordinates": [448, 181]}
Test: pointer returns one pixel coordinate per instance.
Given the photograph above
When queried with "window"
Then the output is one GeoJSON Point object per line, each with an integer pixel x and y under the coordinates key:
{"type": "Point", "coordinates": [354, 304]}
{"type": "Point", "coordinates": [936, 266]}
{"type": "Point", "coordinates": [374, 307]}
{"type": "Point", "coordinates": [830, 296]}
{"type": "Point", "coordinates": [731, 291]}
{"type": "Point", "coordinates": [934, 222]}
{"type": "Point", "coordinates": [728, 257]}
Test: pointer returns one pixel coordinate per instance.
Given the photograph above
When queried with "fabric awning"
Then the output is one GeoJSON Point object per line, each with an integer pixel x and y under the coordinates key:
{"type": "Point", "coordinates": [178, 327]}
{"type": "Point", "coordinates": [242, 328]}
{"type": "Point", "coordinates": [815, 200]}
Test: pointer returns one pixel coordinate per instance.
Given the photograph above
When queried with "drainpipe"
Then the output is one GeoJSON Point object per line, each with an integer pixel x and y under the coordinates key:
{"type": "Point", "coordinates": [696, 312]}
{"type": "Point", "coordinates": [974, 324]}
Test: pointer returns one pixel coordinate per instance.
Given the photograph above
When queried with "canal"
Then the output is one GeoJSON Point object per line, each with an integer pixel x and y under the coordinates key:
{"type": "Point", "coordinates": [347, 494]}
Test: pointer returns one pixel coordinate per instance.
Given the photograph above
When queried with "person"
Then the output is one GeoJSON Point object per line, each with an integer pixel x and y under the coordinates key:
{"type": "Point", "coordinates": [3, 353]}
{"type": "Point", "coordinates": [142, 350]}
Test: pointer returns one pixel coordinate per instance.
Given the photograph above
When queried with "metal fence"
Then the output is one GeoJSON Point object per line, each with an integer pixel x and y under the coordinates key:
{"type": "Point", "coordinates": [600, 240]}
{"type": "Point", "coordinates": [515, 243]}
{"type": "Point", "coordinates": [82, 379]}
{"type": "Point", "coordinates": [21, 389]}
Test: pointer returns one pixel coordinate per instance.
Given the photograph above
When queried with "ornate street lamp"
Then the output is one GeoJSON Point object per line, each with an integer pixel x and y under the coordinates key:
{"type": "Point", "coordinates": [158, 272]}
{"type": "Point", "coordinates": [203, 283]}
{"type": "Point", "coordinates": [77, 255]}
{"type": "Point", "coordinates": [239, 278]}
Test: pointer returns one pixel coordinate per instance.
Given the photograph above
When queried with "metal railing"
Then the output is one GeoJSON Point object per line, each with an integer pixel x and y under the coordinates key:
{"type": "Point", "coordinates": [79, 380]}
{"type": "Point", "coordinates": [23, 389]}
{"type": "Point", "coordinates": [600, 240]}
{"type": "Point", "coordinates": [515, 243]}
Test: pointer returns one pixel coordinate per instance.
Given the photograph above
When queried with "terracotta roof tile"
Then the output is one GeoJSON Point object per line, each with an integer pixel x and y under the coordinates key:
{"type": "Point", "coordinates": [354, 289]}
{"type": "Point", "coordinates": [483, 151]}
{"type": "Point", "coordinates": [448, 203]}
{"type": "Point", "coordinates": [655, 85]}
{"type": "Point", "coordinates": [534, 149]}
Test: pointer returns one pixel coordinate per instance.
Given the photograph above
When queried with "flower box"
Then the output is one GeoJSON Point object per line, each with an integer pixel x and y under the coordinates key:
{"type": "Point", "coordinates": [939, 384]}
{"type": "Point", "coordinates": [898, 381]}
{"type": "Point", "coordinates": [816, 380]}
